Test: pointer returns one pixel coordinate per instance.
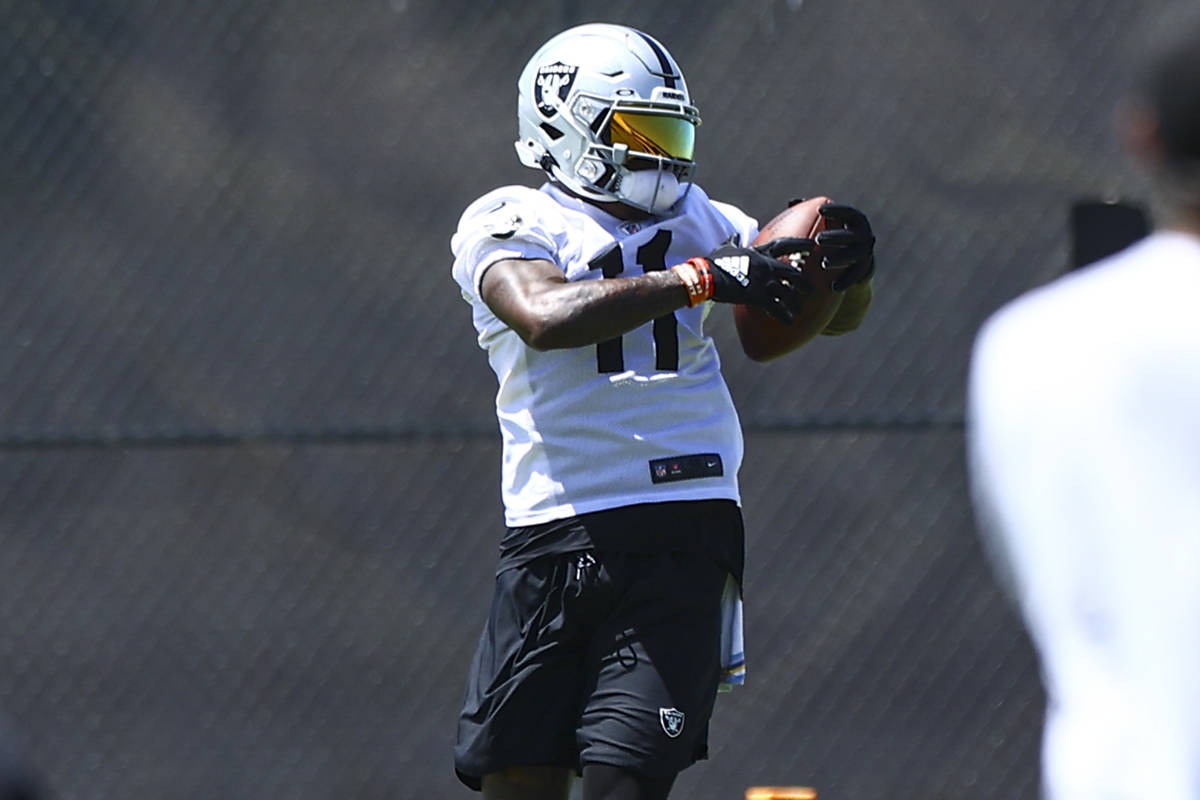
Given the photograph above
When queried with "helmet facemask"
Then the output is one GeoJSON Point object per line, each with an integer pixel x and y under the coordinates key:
{"type": "Point", "coordinates": [641, 153]}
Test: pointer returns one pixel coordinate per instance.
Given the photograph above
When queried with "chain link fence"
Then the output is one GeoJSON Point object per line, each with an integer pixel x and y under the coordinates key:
{"type": "Point", "coordinates": [249, 497]}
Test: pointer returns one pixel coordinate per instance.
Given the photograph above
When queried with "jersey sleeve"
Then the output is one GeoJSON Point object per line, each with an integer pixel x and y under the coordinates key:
{"type": "Point", "coordinates": [511, 222]}
{"type": "Point", "coordinates": [743, 224]}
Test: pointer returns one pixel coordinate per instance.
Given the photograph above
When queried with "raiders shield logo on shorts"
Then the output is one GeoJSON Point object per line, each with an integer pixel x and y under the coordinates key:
{"type": "Point", "coordinates": [672, 721]}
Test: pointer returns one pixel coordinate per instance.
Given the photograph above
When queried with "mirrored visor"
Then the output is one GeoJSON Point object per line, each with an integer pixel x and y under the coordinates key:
{"type": "Point", "coordinates": [657, 134]}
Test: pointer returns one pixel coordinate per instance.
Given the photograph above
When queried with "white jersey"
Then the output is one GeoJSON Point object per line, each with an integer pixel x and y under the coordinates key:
{"type": "Point", "coordinates": [1084, 445]}
{"type": "Point", "coordinates": [646, 418]}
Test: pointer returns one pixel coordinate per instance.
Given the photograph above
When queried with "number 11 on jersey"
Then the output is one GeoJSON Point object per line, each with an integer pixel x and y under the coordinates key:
{"type": "Point", "coordinates": [652, 256]}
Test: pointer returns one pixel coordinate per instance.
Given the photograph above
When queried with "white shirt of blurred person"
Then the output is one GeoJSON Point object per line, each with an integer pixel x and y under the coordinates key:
{"type": "Point", "coordinates": [1084, 448]}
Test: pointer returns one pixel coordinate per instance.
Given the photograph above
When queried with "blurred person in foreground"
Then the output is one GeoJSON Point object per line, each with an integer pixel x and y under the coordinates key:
{"type": "Point", "coordinates": [1084, 448]}
{"type": "Point", "coordinates": [616, 607]}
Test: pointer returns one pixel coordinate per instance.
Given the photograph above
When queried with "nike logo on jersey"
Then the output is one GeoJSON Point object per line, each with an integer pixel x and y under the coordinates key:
{"type": "Point", "coordinates": [686, 468]}
{"type": "Point", "coordinates": [737, 266]}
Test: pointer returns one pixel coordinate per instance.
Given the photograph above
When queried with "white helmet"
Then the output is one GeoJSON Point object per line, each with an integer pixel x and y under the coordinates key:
{"type": "Point", "coordinates": [604, 110]}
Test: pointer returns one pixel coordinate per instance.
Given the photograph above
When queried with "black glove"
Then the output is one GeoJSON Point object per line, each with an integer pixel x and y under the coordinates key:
{"type": "Point", "coordinates": [755, 276]}
{"type": "Point", "coordinates": [847, 244]}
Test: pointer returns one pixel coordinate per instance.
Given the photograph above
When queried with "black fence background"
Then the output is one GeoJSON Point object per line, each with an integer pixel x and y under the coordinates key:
{"type": "Point", "coordinates": [248, 469]}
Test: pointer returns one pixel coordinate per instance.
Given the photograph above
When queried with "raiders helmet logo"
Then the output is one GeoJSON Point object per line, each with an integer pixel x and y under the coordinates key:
{"type": "Point", "coordinates": [672, 721]}
{"type": "Point", "coordinates": [551, 87]}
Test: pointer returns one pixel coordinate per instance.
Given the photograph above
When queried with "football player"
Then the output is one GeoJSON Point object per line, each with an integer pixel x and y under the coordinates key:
{"type": "Point", "coordinates": [616, 607]}
{"type": "Point", "coordinates": [1084, 451]}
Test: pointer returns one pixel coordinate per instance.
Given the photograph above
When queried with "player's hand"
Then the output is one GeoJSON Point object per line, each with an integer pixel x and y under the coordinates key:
{"type": "Point", "coordinates": [756, 276]}
{"type": "Point", "coordinates": [847, 244]}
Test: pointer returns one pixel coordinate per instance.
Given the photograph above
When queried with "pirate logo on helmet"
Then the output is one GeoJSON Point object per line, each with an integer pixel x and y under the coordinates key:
{"type": "Point", "coordinates": [551, 87]}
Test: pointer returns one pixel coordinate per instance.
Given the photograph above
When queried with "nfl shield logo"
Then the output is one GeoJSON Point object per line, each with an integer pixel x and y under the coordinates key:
{"type": "Point", "coordinates": [672, 721]}
{"type": "Point", "coordinates": [551, 87]}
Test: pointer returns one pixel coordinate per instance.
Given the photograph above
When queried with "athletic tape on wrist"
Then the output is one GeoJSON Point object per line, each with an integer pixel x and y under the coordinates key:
{"type": "Point", "coordinates": [697, 283]}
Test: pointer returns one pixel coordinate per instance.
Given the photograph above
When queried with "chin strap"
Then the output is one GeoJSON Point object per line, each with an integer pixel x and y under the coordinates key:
{"type": "Point", "coordinates": [653, 190]}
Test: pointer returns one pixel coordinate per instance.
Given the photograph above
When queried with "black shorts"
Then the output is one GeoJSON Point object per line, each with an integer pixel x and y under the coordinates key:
{"type": "Point", "coordinates": [596, 656]}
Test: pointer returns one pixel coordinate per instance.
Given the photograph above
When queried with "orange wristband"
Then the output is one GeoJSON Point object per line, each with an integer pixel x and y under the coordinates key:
{"type": "Point", "coordinates": [706, 277]}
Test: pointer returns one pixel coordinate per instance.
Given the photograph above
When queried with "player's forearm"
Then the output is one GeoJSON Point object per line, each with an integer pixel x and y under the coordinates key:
{"type": "Point", "coordinates": [582, 313]}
